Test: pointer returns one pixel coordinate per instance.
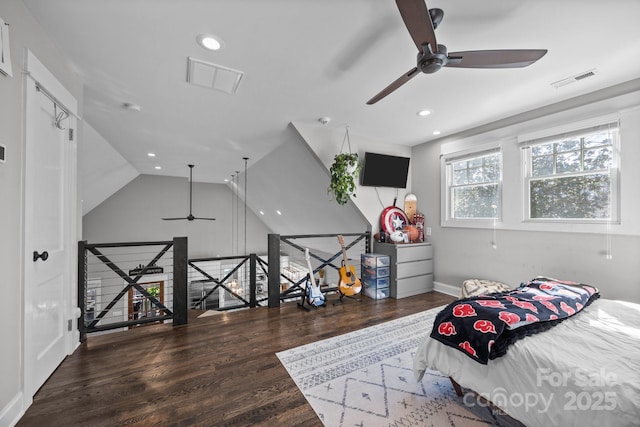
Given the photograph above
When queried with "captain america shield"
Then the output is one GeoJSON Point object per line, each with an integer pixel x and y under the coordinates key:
{"type": "Point", "coordinates": [392, 219]}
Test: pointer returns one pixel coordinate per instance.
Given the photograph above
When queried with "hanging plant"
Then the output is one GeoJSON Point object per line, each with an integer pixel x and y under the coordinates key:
{"type": "Point", "coordinates": [344, 172]}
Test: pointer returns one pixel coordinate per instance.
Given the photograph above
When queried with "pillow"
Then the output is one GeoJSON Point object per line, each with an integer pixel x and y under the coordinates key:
{"type": "Point", "coordinates": [475, 287]}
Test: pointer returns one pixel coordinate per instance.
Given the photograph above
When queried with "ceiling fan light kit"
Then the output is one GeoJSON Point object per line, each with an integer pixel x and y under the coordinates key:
{"type": "Point", "coordinates": [421, 23]}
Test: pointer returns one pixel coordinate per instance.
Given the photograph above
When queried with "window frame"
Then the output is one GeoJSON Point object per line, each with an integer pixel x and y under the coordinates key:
{"type": "Point", "coordinates": [448, 186]}
{"type": "Point", "coordinates": [614, 173]}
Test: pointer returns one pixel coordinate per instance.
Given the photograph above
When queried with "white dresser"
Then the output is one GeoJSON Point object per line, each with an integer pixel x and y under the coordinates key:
{"type": "Point", "coordinates": [411, 267]}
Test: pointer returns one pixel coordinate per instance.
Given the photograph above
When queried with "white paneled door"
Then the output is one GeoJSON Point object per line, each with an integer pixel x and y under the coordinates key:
{"type": "Point", "coordinates": [49, 227]}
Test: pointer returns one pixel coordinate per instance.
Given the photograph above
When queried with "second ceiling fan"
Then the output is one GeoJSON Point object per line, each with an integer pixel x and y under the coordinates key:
{"type": "Point", "coordinates": [189, 217]}
{"type": "Point", "coordinates": [421, 23]}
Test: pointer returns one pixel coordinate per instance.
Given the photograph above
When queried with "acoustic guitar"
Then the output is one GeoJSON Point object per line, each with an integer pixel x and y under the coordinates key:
{"type": "Point", "coordinates": [315, 296]}
{"type": "Point", "coordinates": [349, 283]}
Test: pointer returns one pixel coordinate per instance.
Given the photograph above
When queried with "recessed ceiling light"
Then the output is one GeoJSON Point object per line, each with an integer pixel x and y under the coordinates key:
{"type": "Point", "coordinates": [209, 41]}
{"type": "Point", "coordinates": [226, 180]}
{"type": "Point", "coordinates": [261, 213]}
{"type": "Point", "coordinates": [436, 132]}
{"type": "Point", "coordinates": [151, 154]}
{"type": "Point", "coordinates": [279, 213]}
{"type": "Point", "coordinates": [423, 113]}
{"type": "Point", "coordinates": [158, 167]}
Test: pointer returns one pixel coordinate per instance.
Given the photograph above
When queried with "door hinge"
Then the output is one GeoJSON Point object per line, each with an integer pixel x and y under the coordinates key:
{"type": "Point", "coordinates": [70, 134]}
{"type": "Point", "coordinates": [70, 325]}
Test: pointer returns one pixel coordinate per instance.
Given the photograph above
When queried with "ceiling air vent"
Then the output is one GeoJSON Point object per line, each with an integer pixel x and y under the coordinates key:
{"type": "Point", "coordinates": [573, 79]}
{"type": "Point", "coordinates": [212, 76]}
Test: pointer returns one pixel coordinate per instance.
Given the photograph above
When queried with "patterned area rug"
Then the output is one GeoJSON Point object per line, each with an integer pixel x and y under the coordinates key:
{"type": "Point", "coordinates": [365, 379]}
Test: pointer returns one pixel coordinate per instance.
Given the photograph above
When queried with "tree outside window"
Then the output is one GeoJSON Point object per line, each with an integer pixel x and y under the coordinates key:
{"type": "Point", "coordinates": [474, 186]}
{"type": "Point", "coordinates": [573, 177]}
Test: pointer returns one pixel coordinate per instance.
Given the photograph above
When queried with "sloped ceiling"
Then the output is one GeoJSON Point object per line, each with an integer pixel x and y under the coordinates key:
{"type": "Point", "coordinates": [305, 59]}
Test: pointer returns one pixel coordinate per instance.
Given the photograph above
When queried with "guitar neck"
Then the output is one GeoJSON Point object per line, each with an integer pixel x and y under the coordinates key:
{"type": "Point", "coordinates": [345, 259]}
{"type": "Point", "coordinates": [312, 278]}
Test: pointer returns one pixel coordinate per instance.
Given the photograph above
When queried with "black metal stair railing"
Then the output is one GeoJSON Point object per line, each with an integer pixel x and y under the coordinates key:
{"type": "Point", "coordinates": [121, 285]}
{"type": "Point", "coordinates": [237, 288]}
{"type": "Point", "coordinates": [289, 285]}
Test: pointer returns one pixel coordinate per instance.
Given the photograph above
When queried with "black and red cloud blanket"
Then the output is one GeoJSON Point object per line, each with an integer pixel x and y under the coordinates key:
{"type": "Point", "coordinates": [484, 326]}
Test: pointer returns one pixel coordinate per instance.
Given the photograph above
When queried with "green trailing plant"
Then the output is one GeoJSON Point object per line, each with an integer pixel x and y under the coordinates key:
{"type": "Point", "coordinates": [344, 172]}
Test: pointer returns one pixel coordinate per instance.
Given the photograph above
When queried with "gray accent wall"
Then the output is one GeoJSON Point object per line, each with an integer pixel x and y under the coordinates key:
{"type": "Point", "coordinates": [519, 255]}
{"type": "Point", "coordinates": [135, 212]}
{"type": "Point", "coordinates": [292, 180]}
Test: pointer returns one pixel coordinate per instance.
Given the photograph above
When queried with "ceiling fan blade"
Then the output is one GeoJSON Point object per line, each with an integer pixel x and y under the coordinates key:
{"type": "Point", "coordinates": [417, 19]}
{"type": "Point", "coordinates": [204, 219]}
{"type": "Point", "coordinates": [514, 58]}
{"type": "Point", "coordinates": [393, 86]}
{"type": "Point", "coordinates": [173, 219]}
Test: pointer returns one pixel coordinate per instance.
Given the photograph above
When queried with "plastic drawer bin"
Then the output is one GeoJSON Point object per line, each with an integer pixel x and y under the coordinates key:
{"type": "Point", "coordinates": [374, 260]}
{"type": "Point", "coordinates": [376, 282]}
{"type": "Point", "coordinates": [376, 293]}
{"type": "Point", "coordinates": [375, 272]}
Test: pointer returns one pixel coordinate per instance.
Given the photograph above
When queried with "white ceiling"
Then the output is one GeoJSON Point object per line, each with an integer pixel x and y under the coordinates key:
{"type": "Point", "coordinates": [305, 59]}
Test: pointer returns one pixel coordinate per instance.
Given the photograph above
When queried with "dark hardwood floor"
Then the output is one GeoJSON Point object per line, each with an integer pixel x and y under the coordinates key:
{"type": "Point", "coordinates": [215, 371]}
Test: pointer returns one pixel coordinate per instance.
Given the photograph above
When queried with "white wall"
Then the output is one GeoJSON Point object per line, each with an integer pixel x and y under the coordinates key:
{"type": "Point", "coordinates": [326, 142]}
{"type": "Point", "coordinates": [101, 169]}
{"type": "Point", "coordinates": [24, 33]}
{"type": "Point", "coordinates": [524, 251]}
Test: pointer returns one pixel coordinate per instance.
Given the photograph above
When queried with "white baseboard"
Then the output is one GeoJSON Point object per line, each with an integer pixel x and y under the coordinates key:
{"type": "Point", "coordinates": [454, 291]}
{"type": "Point", "coordinates": [12, 412]}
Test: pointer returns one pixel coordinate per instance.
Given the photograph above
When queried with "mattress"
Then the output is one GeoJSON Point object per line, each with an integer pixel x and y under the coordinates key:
{"type": "Point", "coordinates": [584, 371]}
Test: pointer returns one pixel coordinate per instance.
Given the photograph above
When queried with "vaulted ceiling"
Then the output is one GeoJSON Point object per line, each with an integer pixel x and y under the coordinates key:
{"type": "Point", "coordinates": [306, 59]}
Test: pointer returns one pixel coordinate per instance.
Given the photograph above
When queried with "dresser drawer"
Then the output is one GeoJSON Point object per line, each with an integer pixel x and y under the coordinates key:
{"type": "Point", "coordinates": [412, 286]}
{"type": "Point", "coordinates": [413, 253]}
{"type": "Point", "coordinates": [414, 268]}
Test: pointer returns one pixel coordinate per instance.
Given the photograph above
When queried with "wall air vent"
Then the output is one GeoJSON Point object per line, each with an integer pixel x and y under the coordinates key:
{"type": "Point", "coordinates": [573, 79]}
{"type": "Point", "coordinates": [212, 76]}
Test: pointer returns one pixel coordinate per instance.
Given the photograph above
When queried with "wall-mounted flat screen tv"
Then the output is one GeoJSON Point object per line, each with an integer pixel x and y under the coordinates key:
{"type": "Point", "coordinates": [381, 170]}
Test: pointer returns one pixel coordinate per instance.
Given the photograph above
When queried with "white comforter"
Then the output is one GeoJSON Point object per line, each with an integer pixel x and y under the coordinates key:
{"type": "Point", "coordinates": [583, 372]}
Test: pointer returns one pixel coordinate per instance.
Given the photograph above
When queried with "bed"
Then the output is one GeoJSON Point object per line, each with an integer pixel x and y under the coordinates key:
{"type": "Point", "coordinates": [584, 371]}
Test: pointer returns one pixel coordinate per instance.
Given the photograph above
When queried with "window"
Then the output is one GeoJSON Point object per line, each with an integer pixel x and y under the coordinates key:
{"type": "Point", "coordinates": [573, 176]}
{"type": "Point", "coordinates": [473, 186]}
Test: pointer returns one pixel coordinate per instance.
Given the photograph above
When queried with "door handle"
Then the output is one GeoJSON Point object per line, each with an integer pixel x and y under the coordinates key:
{"type": "Point", "coordinates": [43, 256]}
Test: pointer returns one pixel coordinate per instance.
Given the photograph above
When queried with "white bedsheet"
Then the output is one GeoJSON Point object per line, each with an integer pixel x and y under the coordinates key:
{"type": "Point", "coordinates": [583, 372]}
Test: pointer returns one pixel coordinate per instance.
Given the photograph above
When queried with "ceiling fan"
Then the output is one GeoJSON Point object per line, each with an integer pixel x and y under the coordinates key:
{"type": "Point", "coordinates": [421, 23]}
{"type": "Point", "coordinates": [190, 217]}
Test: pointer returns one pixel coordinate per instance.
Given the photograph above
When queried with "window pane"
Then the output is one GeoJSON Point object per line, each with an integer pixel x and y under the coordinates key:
{"type": "Point", "coordinates": [479, 201]}
{"type": "Point", "coordinates": [474, 163]}
{"type": "Point", "coordinates": [492, 173]}
{"type": "Point", "coordinates": [598, 158]}
{"type": "Point", "coordinates": [460, 177]}
{"type": "Point", "coordinates": [542, 165]}
{"type": "Point", "coordinates": [568, 145]}
{"type": "Point", "coordinates": [568, 162]}
{"type": "Point", "coordinates": [585, 196]}
{"type": "Point", "coordinates": [540, 150]}
{"type": "Point", "coordinates": [600, 138]}
{"type": "Point", "coordinates": [476, 176]}
{"type": "Point", "coordinates": [460, 165]}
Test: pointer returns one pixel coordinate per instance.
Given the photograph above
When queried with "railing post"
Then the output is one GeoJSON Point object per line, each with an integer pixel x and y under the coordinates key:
{"type": "Point", "coordinates": [273, 258]}
{"type": "Point", "coordinates": [180, 258]}
{"type": "Point", "coordinates": [252, 281]}
{"type": "Point", "coordinates": [82, 288]}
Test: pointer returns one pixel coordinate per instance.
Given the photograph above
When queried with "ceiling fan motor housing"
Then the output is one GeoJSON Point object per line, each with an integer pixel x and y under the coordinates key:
{"type": "Point", "coordinates": [429, 62]}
